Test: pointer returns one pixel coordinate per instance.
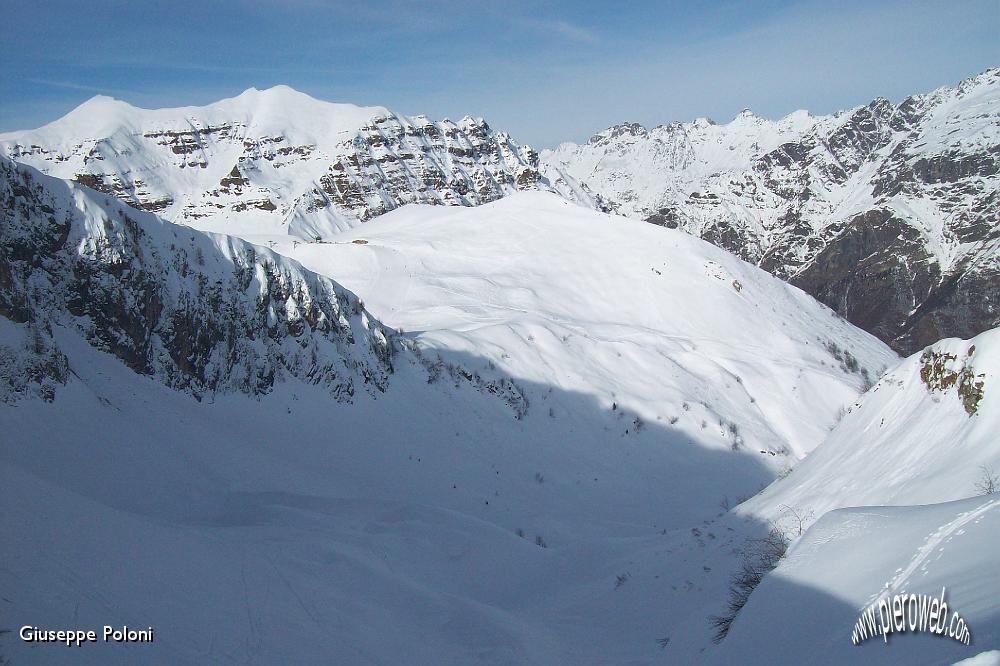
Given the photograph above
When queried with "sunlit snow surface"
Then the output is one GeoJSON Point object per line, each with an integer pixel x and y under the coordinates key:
{"type": "Point", "coordinates": [630, 314]}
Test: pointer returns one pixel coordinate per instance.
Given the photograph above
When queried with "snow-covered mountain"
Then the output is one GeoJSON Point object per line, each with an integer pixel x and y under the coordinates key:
{"type": "Point", "coordinates": [279, 161]}
{"type": "Point", "coordinates": [678, 332]}
{"type": "Point", "coordinates": [528, 431]}
{"type": "Point", "coordinates": [889, 213]}
{"type": "Point", "coordinates": [208, 313]}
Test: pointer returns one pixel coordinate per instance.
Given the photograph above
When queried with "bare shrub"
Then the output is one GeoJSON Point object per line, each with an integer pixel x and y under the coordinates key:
{"type": "Point", "coordinates": [798, 518]}
{"type": "Point", "coordinates": [759, 557]}
{"type": "Point", "coordinates": [989, 482]}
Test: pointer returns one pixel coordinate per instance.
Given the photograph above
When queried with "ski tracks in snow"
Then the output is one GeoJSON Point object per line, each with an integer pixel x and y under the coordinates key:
{"type": "Point", "coordinates": [935, 543]}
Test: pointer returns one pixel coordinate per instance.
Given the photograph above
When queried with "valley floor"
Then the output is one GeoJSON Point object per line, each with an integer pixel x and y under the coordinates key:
{"type": "Point", "coordinates": [287, 530]}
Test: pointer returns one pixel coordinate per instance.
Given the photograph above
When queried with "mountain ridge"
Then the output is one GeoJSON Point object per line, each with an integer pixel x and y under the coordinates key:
{"type": "Point", "coordinates": [885, 212]}
{"type": "Point", "coordinates": [278, 161]}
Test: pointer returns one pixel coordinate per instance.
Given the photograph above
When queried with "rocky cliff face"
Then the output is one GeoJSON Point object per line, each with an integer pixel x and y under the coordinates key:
{"type": "Point", "coordinates": [201, 313]}
{"type": "Point", "coordinates": [889, 213]}
{"type": "Point", "coordinates": [280, 162]}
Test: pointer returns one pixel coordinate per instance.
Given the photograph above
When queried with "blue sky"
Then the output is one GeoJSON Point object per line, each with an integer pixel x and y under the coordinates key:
{"type": "Point", "coordinates": [545, 71]}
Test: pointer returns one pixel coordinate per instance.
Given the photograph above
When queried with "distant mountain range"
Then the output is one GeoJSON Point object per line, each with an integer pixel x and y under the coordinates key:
{"type": "Point", "coordinates": [888, 213]}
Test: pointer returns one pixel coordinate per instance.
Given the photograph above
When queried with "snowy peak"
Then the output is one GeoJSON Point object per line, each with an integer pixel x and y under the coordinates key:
{"type": "Point", "coordinates": [102, 116]}
{"type": "Point", "coordinates": [279, 94]}
{"type": "Point", "coordinates": [616, 131]}
{"type": "Point", "coordinates": [278, 161]}
{"type": "Point", "coordinates": [272, 109]}
{"type": "Point", "coordinates": [987, 79]}
{"type": "Point", "coordinates": [99, 115]}
{"type": "Point", "coordinates": [96, 105]}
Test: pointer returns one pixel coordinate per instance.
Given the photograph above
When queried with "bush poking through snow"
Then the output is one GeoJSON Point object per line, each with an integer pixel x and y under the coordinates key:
{"type": "Point", "coordinates": [841, 413]}
{"type": "Point", "coordinates": [759, 557]}
{"type": "Point", "coordinates": [848, 362]}
{"type": "Point", "coordinates": [799, 519]}
{"type": "Point", "coordinates": [989, 482]}
{"type": "Point", "coordinates": [866, 380]}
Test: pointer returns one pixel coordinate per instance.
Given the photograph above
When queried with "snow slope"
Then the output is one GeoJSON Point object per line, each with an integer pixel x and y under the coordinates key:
{"type": "Point", "coordinates": [911, 439]}
{"type": "Point", "coordinates": [400, 528]}
{"type": "Point", "coordinates": [853, 557]}
{"type": "Point", "coordinates": [296, 530]}
{"type": "Point", "coordinates": [910, 454]}
{"type": "Point", "coordinates": [650, 322]}
{"type": "Point", "coordinates": [889, 503]}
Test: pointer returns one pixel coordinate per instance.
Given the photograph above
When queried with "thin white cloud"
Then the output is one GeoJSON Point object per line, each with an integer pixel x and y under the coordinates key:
{"type": "Point", "coordinates": [574, 32]}
{"type": "Point", "coordinates": [69, 85]}
{"type": "Point", "coordinates": [558, 28]}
